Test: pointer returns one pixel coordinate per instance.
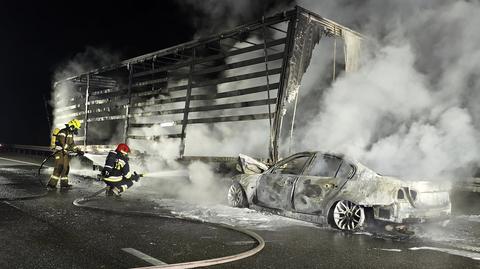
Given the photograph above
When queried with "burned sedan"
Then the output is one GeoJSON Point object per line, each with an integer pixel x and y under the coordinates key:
{"type": "Point", "coordinates": [330, 188]}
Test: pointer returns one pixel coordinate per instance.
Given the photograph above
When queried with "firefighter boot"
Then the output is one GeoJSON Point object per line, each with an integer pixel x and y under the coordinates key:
{"type": "Point", "coordinates": [109, 192]}
{"type": "Point", "coordinates": [64, 183]}
{"type": "Point", "coordinates": [117, 191]}
{"type": "Point", "coordinates": [52, 183]}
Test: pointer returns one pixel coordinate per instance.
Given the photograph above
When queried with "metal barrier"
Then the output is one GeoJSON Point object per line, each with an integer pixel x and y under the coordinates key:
{"type": "Point", "coordinates": [26, 149]}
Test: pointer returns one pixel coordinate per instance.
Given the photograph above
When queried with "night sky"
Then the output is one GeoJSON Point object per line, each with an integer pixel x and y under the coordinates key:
{"type": "Point", "coordinates": [40, 36]}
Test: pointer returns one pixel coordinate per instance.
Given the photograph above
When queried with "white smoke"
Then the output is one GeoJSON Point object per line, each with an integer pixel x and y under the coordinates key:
{"type": "Point", "coordinates": [81, 63]}
{"type": "Point", "coordinates": [412, 109]}
{"type": "Point", "coordinates": [219, 139]}
{"type": "Point", "coordinates": [205, 185]}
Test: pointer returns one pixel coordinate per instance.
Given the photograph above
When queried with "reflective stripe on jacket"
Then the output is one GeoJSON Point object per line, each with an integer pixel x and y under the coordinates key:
{"type": "Point", "coordinates": [117, 167]}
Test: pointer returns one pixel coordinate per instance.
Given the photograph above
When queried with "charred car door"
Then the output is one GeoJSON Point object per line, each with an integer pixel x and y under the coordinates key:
{"type": "Point", "coordinates": [319, 181]}
{"type": "Point", "coordinates": [274, 189]}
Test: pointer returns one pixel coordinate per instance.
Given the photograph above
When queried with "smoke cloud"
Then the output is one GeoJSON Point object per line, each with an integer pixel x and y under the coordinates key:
{"type": "Point", "coordinates": [81, 63]}
{"type": "Point", "coordinates": [224, 139]}
{"type": "Point", "coordinates": [412, 108]}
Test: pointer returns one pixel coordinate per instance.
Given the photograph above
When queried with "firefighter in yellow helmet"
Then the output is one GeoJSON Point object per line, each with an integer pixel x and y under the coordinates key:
{"type": "Point", "coordinates": [65, 149]}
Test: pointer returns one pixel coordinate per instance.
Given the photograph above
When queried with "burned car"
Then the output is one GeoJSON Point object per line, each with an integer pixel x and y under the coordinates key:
{"type": "Point", "coordinates": [331, 188]}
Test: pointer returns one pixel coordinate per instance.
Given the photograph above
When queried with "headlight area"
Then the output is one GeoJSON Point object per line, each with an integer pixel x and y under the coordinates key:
{"type": "Point", "coordinates": [403, 208]}
{"type": "Point", "coordinates": [391, 212]}
{"type": "Point", "coordinates": [384, 213]}
{"type": "Point", "coordinates": [412, 206]}
{"type": "Point", "coordinates": [399, 212]}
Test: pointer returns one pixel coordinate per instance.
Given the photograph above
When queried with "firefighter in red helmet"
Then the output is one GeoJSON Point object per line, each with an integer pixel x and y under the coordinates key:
{"type": "Point", "coordinates": [116, 172]}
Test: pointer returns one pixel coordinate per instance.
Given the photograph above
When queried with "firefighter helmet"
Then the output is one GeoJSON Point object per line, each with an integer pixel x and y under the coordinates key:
{"type": "Point", "coordinates": [74, 124]}
{"type": "Point", "coordinates": [123, 148]}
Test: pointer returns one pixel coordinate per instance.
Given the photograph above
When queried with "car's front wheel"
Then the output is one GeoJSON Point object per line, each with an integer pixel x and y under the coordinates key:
{"type": "Point", "coordinates": [348, 215]}
{"type": "Point", "coordinates": [236, 196]}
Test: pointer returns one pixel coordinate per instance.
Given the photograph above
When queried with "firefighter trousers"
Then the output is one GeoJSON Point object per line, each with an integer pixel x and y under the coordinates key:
{"type": "Point", "coordinates": [60, 170]}
{"type": "Point", "coordinates": [120, 186]}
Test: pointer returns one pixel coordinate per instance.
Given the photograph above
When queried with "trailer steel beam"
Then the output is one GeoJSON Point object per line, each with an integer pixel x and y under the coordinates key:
{"type": "Point", "coordinates": [207, 108]}
{"type": "Point", "coordinates": [216, 57]}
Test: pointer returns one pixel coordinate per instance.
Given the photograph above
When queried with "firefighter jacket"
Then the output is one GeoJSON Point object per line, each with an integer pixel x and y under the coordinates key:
{"type": "Point", "coordinates": [64, 141]}
{"type": "Point", "coordinates": [116, 167]}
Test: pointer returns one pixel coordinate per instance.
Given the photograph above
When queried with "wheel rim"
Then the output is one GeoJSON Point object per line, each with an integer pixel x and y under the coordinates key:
{"type": "Point", "coordinates": [348, 216]}
{"type": "Point", "coordinates": [235, 197]}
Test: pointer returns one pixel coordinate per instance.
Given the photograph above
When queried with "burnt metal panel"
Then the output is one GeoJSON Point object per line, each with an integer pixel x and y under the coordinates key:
{"type": "Point", "coordinates": [281, 93]}
{"type": "Point", "coordinates": [187, 104]}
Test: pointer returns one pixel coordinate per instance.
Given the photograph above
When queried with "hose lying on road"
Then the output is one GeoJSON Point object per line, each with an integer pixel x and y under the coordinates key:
{"type": "Point", "coordinates": [202, 263]}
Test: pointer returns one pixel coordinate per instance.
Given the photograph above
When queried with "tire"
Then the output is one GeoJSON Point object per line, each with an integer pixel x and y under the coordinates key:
{"type": "Point", "coordinates": [236, 196]}
{"type": "Point", "coordinates": [347, 216]}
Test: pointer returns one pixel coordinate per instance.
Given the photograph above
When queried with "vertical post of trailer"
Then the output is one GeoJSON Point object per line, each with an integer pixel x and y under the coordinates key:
{"type": "Point", "coordinates": [265, 50]}
{"type": "Point", "coordinates": [187, 104]}
{"type": "Point", "coordinates": [85, 118]}
{"type": "Point", "coordinates": [279, 113]}
{"type": "Point", "coordinates": [127, 106]}
{"type": "Point", "coordinates": [334, 74]}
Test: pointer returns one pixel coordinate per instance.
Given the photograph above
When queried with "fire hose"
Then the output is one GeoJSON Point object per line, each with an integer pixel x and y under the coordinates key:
{"type": "Point", "coordinates": [43, 163]}
{"type": "Point", "coordinates": [80, 202]}
{"type": "Point", "coordinates": [46, 159]}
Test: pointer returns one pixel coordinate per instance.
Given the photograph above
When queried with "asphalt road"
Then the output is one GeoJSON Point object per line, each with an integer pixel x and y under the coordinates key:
{"type": "Point", "coordinates": [50, 232]}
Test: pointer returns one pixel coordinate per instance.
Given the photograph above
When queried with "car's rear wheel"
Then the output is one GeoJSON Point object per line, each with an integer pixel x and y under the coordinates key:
{"type": "Point", "coordinates": [236, 196]}
{"type": "Point", "coordinates": [348, 216]}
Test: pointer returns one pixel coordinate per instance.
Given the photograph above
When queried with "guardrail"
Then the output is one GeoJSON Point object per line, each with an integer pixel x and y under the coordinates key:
{"type": "Point", "coordinates": [26, 149]}
{"type": "Point", "coordinates": [468, 185]}
{"type": "Point", "coordinates": [222, 164]}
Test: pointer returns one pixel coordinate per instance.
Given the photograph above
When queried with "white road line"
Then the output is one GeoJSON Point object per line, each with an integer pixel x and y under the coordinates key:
{"type": "Point", "coordinates": [463, 253]}
{"type": "Point", "coordinates": [240, 243]}
{"type": "Point", "coordinates": [143, 256]}
{"type": "Point", "coordinates": [17, 161]}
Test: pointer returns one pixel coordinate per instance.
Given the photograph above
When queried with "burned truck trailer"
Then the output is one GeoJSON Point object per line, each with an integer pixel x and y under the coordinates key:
{"type": "Point", "coordinates": [248, 75]}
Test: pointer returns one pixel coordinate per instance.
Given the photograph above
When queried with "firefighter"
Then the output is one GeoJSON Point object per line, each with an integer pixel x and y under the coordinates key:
{"type": "Point", "coordinates": [65, 149]}
{"type": "Point", "coordinates": [116, 172]}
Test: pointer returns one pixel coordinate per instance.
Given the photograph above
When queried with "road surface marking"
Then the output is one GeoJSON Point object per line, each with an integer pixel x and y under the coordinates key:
{"type": "Point", "coordinates": [17, 161]}
{"type": "Point", "coordinates": [143, 256]}
{"type": "Point", "coordinates": [389, 249]}
{"type": "Point", "coordinates": [463, 253]}
{"type": "Point", "coordinates": [240, 243]}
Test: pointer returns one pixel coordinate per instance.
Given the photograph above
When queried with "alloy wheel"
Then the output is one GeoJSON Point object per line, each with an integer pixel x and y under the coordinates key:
{"type": "Point", "coordinates": [348, 216]}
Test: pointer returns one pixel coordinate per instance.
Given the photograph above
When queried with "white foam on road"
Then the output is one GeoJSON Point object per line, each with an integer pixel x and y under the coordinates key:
{"type": "Point", "coordinates": [224, 214]}
{"type": "Point", "coordinates": [471, 218]}
{"type": "Point", "coordinates": [363, 233]}
{"type": "Point", "coordinates": [463, 253]}
{"type": "Point", "coordinates": [462, 232]}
